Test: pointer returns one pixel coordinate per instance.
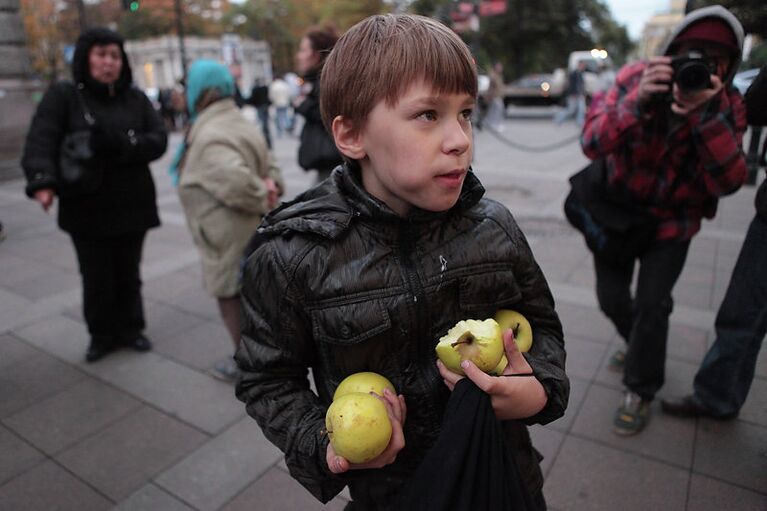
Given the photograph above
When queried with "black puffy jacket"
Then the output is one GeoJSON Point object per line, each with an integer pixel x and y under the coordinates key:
{"type": "Point", "coordinates": [340, 284]}
{"type": "Point", "coordinates": [125, 201]}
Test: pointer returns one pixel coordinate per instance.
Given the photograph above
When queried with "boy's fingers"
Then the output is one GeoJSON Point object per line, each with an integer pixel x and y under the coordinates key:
{"type": "Point", "coordinates": [336, 463]}
{"type": "Point", "coordinates": [517, 361]}
{"type": "Point", "coordinates": [449, 377]}
{"type": "Point", "coordinates": [475, 374]}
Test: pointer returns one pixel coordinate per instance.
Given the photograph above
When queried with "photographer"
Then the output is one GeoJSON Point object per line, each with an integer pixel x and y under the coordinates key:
{"type": "Point", "coordinates": [669, 134]}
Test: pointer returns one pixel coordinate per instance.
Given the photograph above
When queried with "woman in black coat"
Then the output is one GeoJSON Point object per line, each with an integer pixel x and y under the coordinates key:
{"type": "Point", "coordinates": [317, 149]}
{"type": "Point", "coordinates": [108, 216]}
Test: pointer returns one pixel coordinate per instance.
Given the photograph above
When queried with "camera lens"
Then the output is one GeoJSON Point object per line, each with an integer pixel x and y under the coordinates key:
{"type": "Point", "coordinates": [693, 76]}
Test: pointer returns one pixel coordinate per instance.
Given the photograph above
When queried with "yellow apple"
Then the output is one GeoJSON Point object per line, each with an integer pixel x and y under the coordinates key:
{"type": "Point", "coordinates": [501, 366]}
{"type": "Point", "coordinates": [358, 426]}
{"type": "Point", "coordinates": [471, 339]}
{"type": "Point", "coordinates": [523, 332]}
{"type": "Point", "coordinates": [363, 382]}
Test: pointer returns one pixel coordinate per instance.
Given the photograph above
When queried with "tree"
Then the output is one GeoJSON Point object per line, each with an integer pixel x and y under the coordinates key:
{"type": "Point", "coordinates": [50, 26]}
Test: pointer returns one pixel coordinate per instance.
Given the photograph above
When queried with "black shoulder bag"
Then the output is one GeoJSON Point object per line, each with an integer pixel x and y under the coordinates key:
{"type": "Point", "coordinates": [77, 173]}
{"type": "Point", "coordinates": [615, 231]}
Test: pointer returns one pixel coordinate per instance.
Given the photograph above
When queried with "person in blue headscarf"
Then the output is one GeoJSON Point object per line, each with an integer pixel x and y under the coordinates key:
{"type": "Point", "coordinates": [227, 181]}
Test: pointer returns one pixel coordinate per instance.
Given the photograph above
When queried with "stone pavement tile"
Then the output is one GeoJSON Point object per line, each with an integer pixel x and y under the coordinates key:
{"type": "Point", "coordinates": [151, 498]}
{"type": "Point", "coordinates": [164, 321]}
{"type": "Point", "coordinates": [64, 419]}
{"type": "Point", "coordinates": [166, 287]}
{"type": "Point", "coordinates": [48, 486]}
{"type": "Point", "coordinates": [60, 336]}
{"type": "Point", "coordinates": [46, 283]}
{"type": "Point", "coordinates": [578, 389]}
{"type": "Point", "coordinates": [583, 357]}
{"type": "Point", "coordinates": [688, 343]}
{"type": "Point", "coordinates": [277, 491]}
{"type": "Point", "coordinates": [665, 438]}
{"type": "Point", "coordinates": [585, 322]}
{"type": "Point", "coordinates": [708, 494]}
{"type": "Point", "coordinates": [18, 269]}
{"type": "Point", "coordinates": [14, 351]}
{"type": "Point", "coordinates": [701, 254]}
{"type": "Point", "coordinates": [17, 456]}
{"type": "Point", "coordinates": [754, 410]}
{"type": "Point", "coordinates": [548, 442]}
{"type": "Point", "coordinates": [196, 301]}
{"type": "Point", "coordinates": [697, 296]}
{"type": "Point", "coordinates": [606, 376]}
{"type": "Point", "coordinates": [199, 347]}
{"type": "Point", "coordinates": [220, 469]}
{"type": "Point", "coordinates": [12, 307]}
{"type": "Point", "coordinates": [733, 451]}
{"type": "Point", "coordinates": [761, 364]}
{"type": "Point", "coordinates": [124, 456]}
{"type": "Point", "coordinates": [33, 379]}
{"type": "Point", "coordinates": [54, 249]}
{"type": "Point", "coordinates": [679, 377]}
{"type": "Point", "coordinates": [583, 274]}
{"type": "Point", "coordinates": [589, 476]}
{"type": "Point", "coordinates": [177, 390]}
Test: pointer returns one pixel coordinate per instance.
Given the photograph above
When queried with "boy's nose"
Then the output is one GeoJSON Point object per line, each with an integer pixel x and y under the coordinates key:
{"type": "Point", "coordinates": [457, 138]}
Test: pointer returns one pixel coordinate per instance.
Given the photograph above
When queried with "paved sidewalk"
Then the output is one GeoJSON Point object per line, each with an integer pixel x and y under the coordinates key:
{"type": "Point", "coordinates": [156, 431]}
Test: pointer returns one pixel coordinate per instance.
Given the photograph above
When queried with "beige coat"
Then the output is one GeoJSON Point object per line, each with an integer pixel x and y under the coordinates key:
{"type": "Point", "coordinates": [223, 192]}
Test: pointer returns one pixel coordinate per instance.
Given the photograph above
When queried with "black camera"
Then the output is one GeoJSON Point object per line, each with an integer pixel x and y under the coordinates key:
{"type": "Point", "coordinates": [693, 70]}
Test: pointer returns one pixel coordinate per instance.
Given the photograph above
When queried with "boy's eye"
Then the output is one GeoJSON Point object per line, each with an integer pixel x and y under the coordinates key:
{"type": "Point", "coordinates": [428, 115]}
{"type": "Point", "coordinates": [466, 114]}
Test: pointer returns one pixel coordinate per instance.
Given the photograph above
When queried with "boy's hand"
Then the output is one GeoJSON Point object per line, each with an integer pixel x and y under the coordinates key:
{"type": "Point", "coordinates": [395, 406]}
{"type": "Point", "coordinates": [516, 394]}
{"type": "Point", "coordinates": [686, 103]}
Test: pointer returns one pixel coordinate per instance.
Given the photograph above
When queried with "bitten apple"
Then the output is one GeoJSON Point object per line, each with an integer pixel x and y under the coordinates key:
{"type": "Point", "coordinates": [478, 341]}
{"type": "Point", "coordinates": [365, 381]}
{"type": "Point", "coordinates": [523, 332]}
{"type": "Point", "coordinates": [358, 426]}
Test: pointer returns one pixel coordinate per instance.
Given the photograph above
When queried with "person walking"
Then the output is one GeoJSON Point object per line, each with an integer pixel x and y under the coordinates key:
{"type": "Point", "coordinates": [494, 99]}
{"type": "Point", "coordinates": [724, 378]}
{"type": "Point", "coordinates": [259, 99]}
{"type": "Point", "coordinates": [227, 182]}
{"type": "Point", "coordinates": [317, 150]}
{"type": "Point", "coordinates": [670, 148]}
{"type": "Point", "coordinates": [280, 96]}
{"type": "Point", "coordinates": [108, 214]}
{"type": "Point", "coordinates": [575, 96]}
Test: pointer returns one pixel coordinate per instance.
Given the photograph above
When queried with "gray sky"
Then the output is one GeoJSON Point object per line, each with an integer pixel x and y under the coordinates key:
{"type": "Point", "coordinates": [634, 13]}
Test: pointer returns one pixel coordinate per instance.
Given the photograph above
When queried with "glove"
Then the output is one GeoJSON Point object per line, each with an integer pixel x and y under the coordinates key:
{"type": "Point", "coordinates": [106, 141]}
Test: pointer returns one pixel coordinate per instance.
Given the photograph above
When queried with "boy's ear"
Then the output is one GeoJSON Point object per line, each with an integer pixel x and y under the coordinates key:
{"type": "Point", "coordinates": [347, 140]}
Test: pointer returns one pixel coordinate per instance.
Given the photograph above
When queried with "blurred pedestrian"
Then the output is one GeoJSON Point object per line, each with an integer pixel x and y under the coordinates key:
{"type": "Point", "coordinates": [575, 95]}
{"type": "Point", "coordinates": [280, 97]}
{"type": "Point", "coordinates": [228, 181]}
{"type": "Point", "coordinates": [494, 115]}
{"type": "Point", "coordinates": [259, 99]}
{"type": "Point", "coordinates": [317, 149]}
{"type": "Point", "coordinates": [116, 132]}
{"type": "Point", "coordinates": [670, 146]}
{"type": "Point", "coordinates": [725, 376]}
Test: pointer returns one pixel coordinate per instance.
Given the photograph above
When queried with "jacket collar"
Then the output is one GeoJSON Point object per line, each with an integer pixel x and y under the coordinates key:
{"type": "Point", "coordinates": [330, 208]}
{"type": "Point", "coordinates": [210, 112]}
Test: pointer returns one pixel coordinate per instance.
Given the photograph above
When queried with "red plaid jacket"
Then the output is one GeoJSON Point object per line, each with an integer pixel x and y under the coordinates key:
{"type": "Point", "coordinates": [675, 167]}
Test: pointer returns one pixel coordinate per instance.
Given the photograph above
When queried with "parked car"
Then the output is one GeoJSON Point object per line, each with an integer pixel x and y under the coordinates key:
{"type": "Point", "coordinates": [743, 80]}
{"type": "Point", "coordinates": [533, 89]}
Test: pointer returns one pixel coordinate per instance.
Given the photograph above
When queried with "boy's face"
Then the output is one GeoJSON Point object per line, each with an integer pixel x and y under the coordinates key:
{"type": "Point", "coordinates": [417, 152]}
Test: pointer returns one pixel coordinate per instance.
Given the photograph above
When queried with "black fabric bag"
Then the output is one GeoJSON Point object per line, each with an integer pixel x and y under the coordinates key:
{"type": "Point", "coordinates": [77, 174]}
{"type": "Point", "coordinates": [615, 230]}
{"type": "Point", "coordinates": [469, 466]}
{"type": "Point", "coordinates": [317, 150]}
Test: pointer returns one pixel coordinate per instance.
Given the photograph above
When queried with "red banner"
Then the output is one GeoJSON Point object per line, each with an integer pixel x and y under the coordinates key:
{"type": "Point", "coordinates": [492, 7]}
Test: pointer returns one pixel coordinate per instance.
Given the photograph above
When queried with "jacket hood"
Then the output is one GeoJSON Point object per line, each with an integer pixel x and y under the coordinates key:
{"type": "Point", "coordinates": [81, 69]}
{"type": "Point", "coordinates": [203, 75]}
{"type": "Point", "coordinates": [329, 208]}
{"type": "Point", "coordinates": [717, 12]}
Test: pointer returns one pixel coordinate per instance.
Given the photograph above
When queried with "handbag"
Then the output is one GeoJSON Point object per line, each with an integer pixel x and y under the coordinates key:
{"type": "Point", "coordinates": [615, 230]}
{"type": "Point", "coordinates": [318, 149]}
{"type": "Point", "coordinates": [76, 173]}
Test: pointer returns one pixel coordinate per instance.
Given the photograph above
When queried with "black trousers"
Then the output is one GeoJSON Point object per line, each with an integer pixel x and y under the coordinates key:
{"type": "Point", "coordinates": [642, 321]}
{"type": "Point", "coordinates": [112, 303]}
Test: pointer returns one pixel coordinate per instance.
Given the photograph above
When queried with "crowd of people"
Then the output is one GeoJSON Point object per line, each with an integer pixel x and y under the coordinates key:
{"type": "Point", "coordinates": [345, 277]}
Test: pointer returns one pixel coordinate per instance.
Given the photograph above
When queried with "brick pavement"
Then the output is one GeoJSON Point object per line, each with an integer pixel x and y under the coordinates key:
{"type": "Point", "coordinates": [156, 431]}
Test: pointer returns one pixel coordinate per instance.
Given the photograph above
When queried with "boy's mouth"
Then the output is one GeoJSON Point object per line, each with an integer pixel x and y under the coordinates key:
{"type": "Point", "coordinates": [452, 178]}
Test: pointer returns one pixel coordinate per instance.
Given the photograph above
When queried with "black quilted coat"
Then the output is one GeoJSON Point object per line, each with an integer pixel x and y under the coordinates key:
{"type": "Point", "coordinates": [125, 202]}
{"type": "Point", "coordinates": [340, 284]}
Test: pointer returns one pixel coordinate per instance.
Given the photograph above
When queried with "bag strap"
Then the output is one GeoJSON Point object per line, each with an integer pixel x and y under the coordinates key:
{"type": "Point", "coordinates": [89, 119]}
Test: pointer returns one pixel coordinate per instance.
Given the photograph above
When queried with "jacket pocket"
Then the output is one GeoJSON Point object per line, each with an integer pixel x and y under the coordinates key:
{"type": "Point", "coordinates": [350, 323]}
{"type": "Point", "coordinates": [487, 292]}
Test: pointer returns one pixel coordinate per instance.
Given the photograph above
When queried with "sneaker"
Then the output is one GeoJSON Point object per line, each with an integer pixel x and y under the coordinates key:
{"type": "Point", "coordinates": [632, 415]}
{"type": "Point", "coordinates": [226, 369]}
{"type": "Point", "coordinates": [98, 349]}
{"type": "Point", "coordinates": [617, 361]}
{"type": "Point", "coordinates": [686, 406]}
{"type": "Point", "coordinates": [138, 342]}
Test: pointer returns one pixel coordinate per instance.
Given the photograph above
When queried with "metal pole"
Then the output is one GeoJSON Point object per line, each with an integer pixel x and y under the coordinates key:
{"type": "Point", "coordinates": [81, 15]}
{"type": "Point", "coordinates": [180, 31]}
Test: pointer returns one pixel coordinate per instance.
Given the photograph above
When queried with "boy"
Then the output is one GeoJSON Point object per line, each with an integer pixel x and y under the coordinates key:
{"type": "Point", "coordinates": [366, 271]}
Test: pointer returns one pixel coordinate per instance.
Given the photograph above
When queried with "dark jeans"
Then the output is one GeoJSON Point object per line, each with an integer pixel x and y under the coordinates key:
{"type": "Point", "coordinates": [263, 117]}
{"type": "Point", "coordinates": [724, 379]}
{"type": "Point", "coordinates": [643, 320]}
{"type": "Point", "coordinates": [112, 303]}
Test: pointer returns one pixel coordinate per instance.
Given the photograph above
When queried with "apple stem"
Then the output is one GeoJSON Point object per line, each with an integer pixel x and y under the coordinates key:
{"type": "Point", "coordinates": [515, 329]}
{"type": "Point", "coordinates": [467, 340]}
